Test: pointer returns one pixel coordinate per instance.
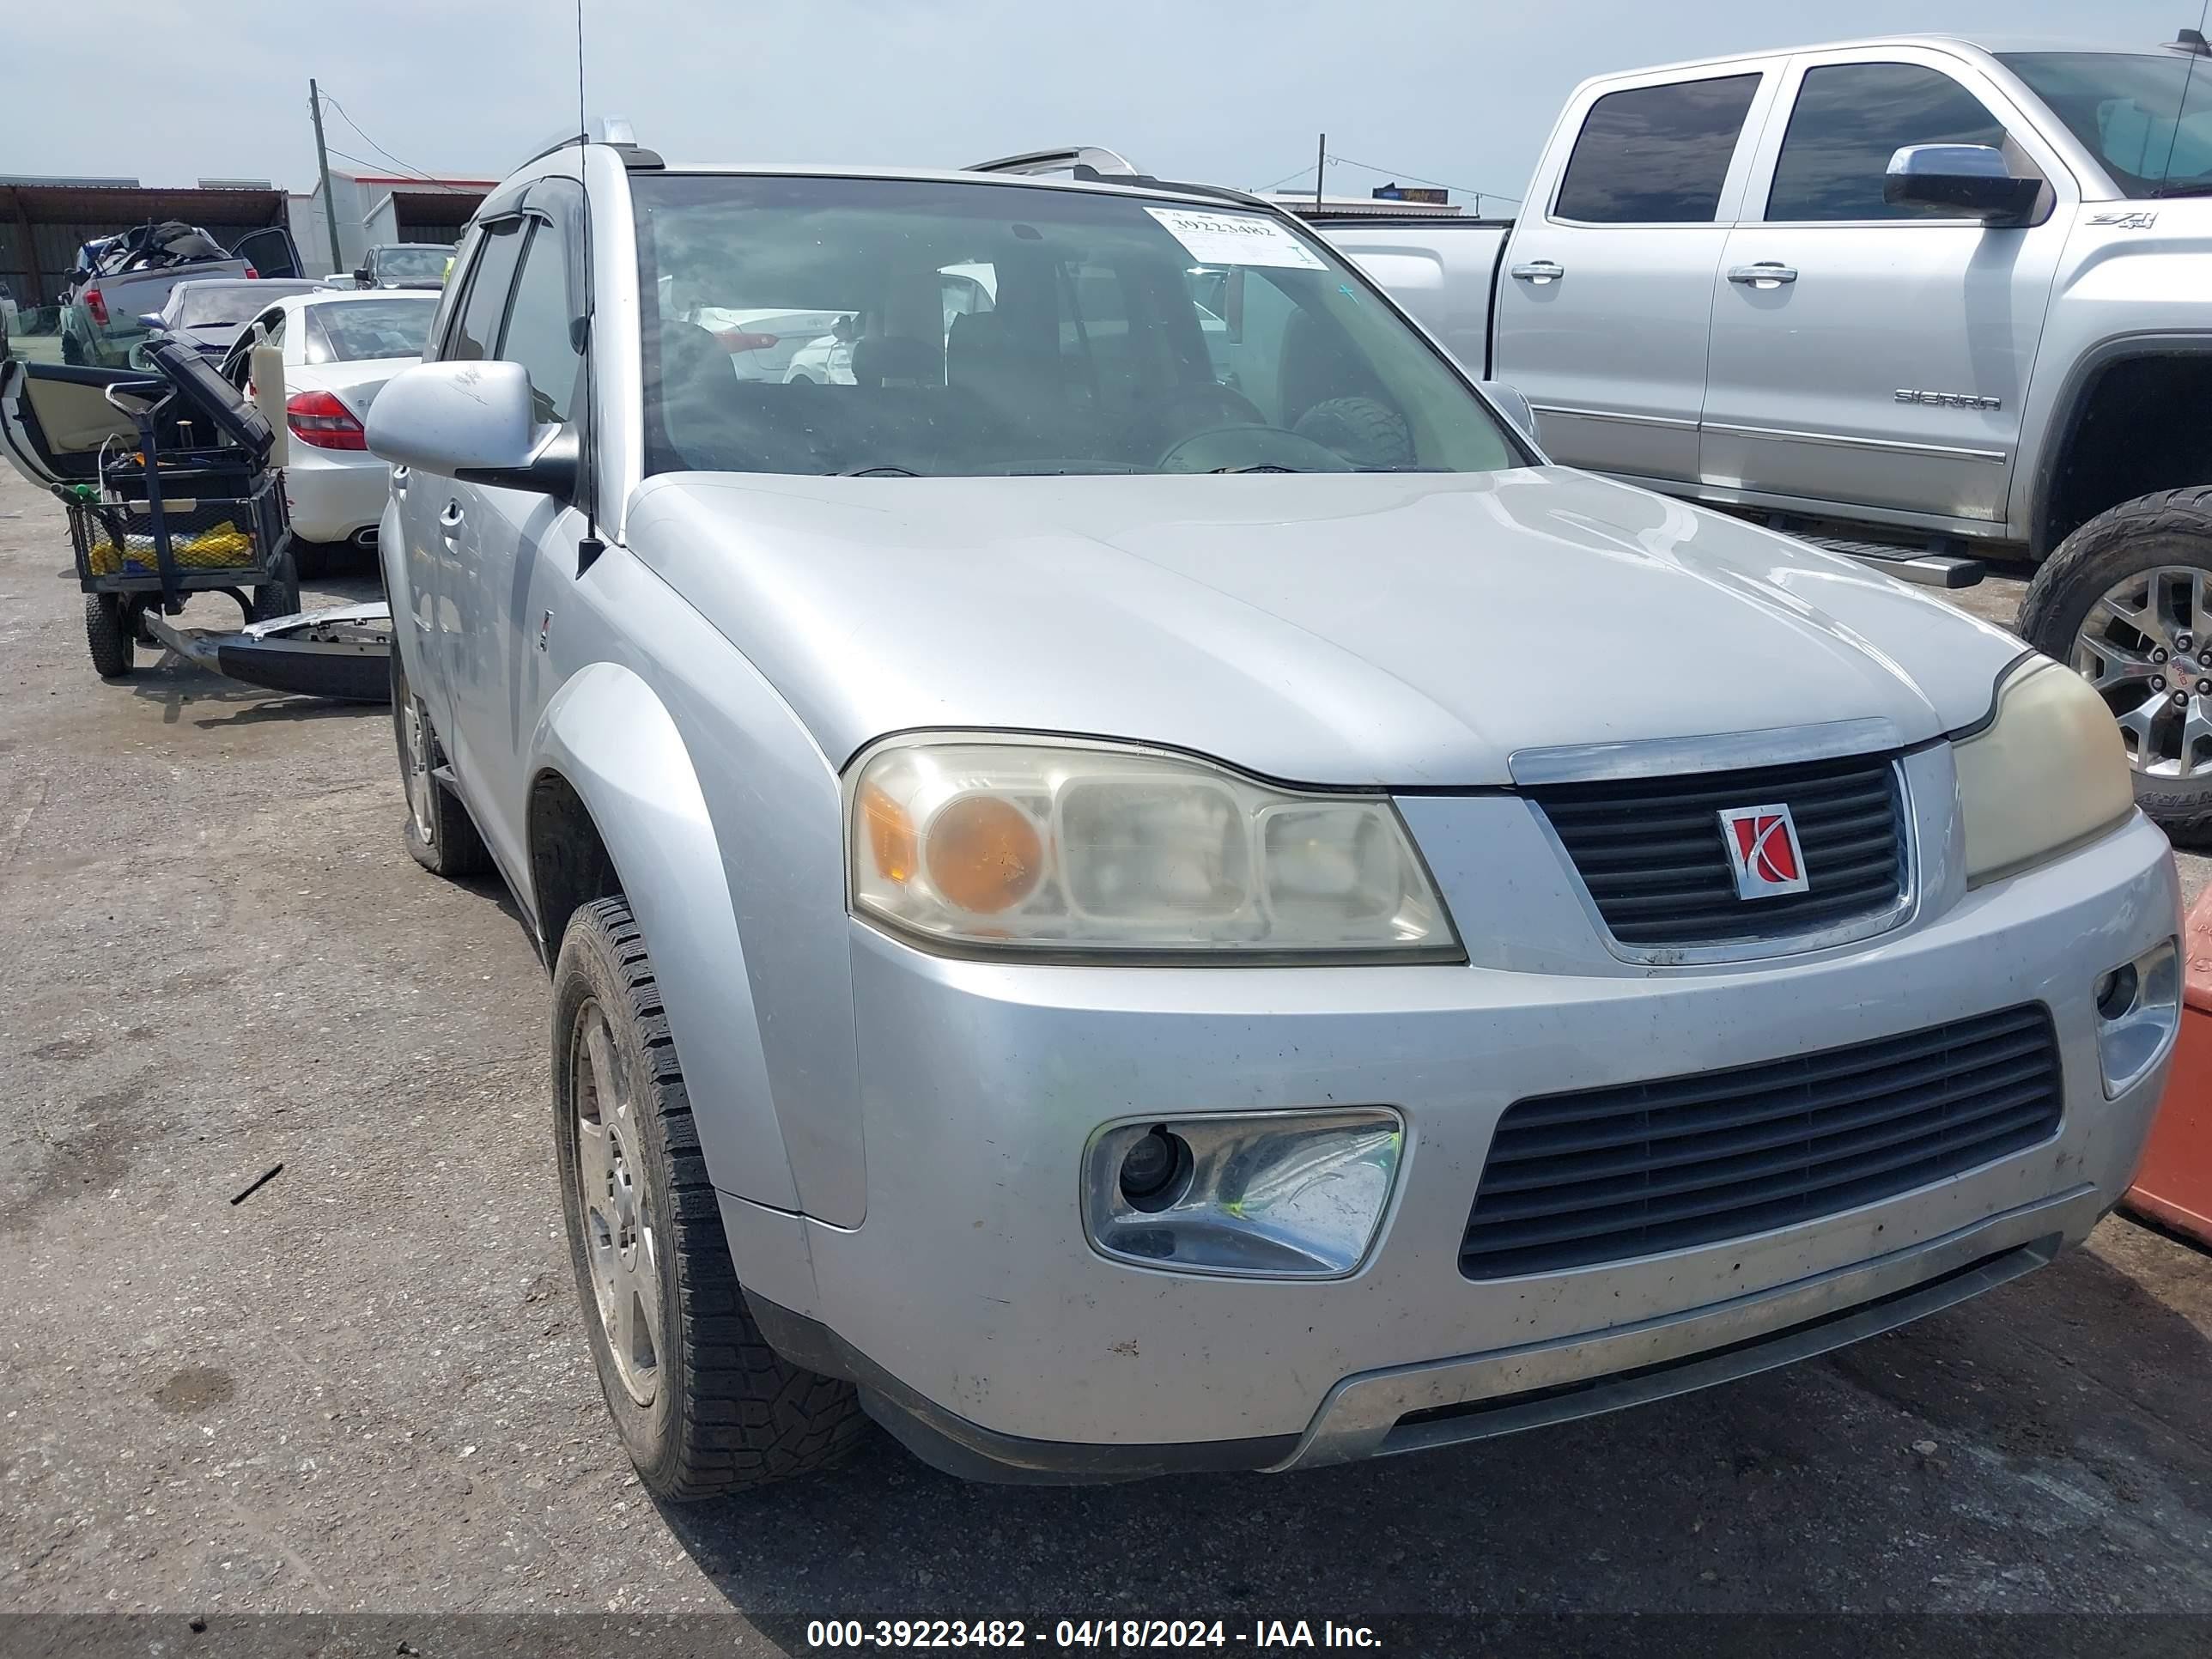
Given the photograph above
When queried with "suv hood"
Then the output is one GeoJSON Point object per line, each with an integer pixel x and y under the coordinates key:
{"type": "Point", "coordinates": [1363, 630]}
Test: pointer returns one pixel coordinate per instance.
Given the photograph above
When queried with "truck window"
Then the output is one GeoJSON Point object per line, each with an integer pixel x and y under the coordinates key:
{"type": "Point", "coordinates": [539, 335]}
{"type": "Point", "coordinates": [1656, 155]}
{"type": "Point", "coordinates": [485, 305]}
{"type": "Point", "coordinates": [1850, 120]}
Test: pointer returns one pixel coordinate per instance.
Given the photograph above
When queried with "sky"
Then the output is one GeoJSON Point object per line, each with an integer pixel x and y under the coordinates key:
{"type": "Point", "coordinates": [1461, 94]}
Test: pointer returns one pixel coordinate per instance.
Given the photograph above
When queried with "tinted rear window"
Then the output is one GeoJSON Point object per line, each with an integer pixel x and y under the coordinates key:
{"type": "Point", "coordinates": [362, 330]}
{"type": "Point", "coordinates": [1656, 154]}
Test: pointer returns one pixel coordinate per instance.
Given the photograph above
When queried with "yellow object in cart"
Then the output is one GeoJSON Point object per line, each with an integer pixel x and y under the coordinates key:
{"type": "Point", "coordinates": [220, 547]}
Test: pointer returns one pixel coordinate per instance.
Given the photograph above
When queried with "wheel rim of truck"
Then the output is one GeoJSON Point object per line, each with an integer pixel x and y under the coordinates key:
{"type": "Point", "coordinates": [619, 1238]}
{"type": "Point", "coordinates": [2147, 647]}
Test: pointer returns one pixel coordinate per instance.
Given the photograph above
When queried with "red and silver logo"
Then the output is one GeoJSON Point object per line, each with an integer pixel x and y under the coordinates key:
{"type": "Point", "coordinates": [1763, 851]}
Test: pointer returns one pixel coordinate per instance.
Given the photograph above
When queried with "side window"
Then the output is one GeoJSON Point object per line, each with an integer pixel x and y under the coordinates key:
{"type": "Point", "coordinates": [540, 332]}
{"type": "Point", "coordinates": [1656, 154]}
{"type": "Point", "coordinates": [485, 303]}
{"type": "Point", "coordinates": [1850, 118]}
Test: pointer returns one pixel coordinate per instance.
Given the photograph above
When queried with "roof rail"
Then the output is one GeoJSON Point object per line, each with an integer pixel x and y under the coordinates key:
{"type": "Point", "coordinates": [614, 131]}
{"type": "Point", "coordinates": [1092, 164]}
{"type": "Point", "coordinates": [1106, 162]}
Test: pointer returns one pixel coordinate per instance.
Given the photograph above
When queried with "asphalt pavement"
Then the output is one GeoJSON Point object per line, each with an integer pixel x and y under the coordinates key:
{"type": "Point", "coordinates": [362, 1384]}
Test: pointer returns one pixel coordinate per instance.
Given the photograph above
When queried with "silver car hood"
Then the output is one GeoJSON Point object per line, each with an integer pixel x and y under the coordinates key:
{"type": "Point", "coordinates": [1393, 630]}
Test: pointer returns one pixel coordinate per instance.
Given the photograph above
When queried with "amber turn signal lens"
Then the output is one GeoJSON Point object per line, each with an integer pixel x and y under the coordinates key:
{"type": "Point", "coordinates": [891, 834]}
{"type": "Point", "coordinates": [984, 855]}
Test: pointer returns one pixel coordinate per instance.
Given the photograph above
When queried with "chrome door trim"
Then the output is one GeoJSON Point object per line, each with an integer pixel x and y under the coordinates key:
{"type": "Point", "coordinates": [1679, 425]}
{"type": "Point", "coordinates": [1894, 446]}
{"type": "Point", "coordinates": [1720, 751]}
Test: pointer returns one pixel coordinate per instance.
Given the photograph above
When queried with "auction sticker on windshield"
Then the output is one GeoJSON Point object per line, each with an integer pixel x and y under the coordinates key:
{"type": "Point", "coordinates": [1236, 239]}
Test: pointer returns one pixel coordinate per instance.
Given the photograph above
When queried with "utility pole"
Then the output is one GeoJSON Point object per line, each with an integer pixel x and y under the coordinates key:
{"type": "Point", "coordinates": [1321, 167]}
{"type": "Point", "coordinates": [323, 167]}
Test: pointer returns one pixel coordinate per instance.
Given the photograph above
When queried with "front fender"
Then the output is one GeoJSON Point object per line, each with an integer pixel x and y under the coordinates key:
{"type": "Point", "coordinates": [609, 736]}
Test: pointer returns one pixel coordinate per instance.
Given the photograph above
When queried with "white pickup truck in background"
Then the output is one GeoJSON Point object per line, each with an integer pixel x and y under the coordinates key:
{"type": "Point", "coordinates": [1918, 298]}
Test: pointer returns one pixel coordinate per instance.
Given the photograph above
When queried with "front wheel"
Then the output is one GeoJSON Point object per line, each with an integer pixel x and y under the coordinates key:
{"type": "Point", "coordinates": [703, 1404]}
{"type": "Point", "coordinates": [279, 596]}
{"type": "Point", "coordinates": [2127, 602]}
{"type": "Point", "coordinates": [108, 627]}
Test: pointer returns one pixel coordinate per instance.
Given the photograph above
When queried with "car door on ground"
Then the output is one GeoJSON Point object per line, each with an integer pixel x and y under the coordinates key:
{"type": "Point", "coordinates": [1603, 307]}
{"type": "Point", "coordinates": [520, 546]}
{"type": "Point", "coordinates": [1866, 354]}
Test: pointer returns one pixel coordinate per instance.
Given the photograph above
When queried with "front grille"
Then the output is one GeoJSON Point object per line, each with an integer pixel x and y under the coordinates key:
{"type": "Point", "coordinates": [1607, 1174]}
{"type": "Point", "coordinates": [1650, 850]}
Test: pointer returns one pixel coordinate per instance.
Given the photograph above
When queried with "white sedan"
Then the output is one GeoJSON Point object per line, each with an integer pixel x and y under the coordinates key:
{"type": "Point", "coordinates": [339, 350]}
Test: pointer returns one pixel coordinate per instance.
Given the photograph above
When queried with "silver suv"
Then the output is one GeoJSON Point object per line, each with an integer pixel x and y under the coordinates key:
{"type": "Point", "coordinates": [1145, 887]}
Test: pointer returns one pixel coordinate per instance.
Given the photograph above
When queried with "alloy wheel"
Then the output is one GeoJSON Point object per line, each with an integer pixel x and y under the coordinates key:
{"type": "Point", "coordinates": [2145, 646]}
{"type": "Point", "coordinates": [619, 1237]}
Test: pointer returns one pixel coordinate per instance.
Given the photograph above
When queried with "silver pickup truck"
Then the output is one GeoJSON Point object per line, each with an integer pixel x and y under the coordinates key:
{"type": "Point", "coordinates": [1919, 297]}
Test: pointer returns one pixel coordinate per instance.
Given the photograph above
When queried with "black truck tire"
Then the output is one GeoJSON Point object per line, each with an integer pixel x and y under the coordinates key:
{"type": "Point", "coordinates": [442, 836]}
{"type": "Point", "coordinates": [108, 630]}
{"type": "Point", "coordinates": [2171, 529]}
{"type": "Point", "coordinates": [721, 1410]}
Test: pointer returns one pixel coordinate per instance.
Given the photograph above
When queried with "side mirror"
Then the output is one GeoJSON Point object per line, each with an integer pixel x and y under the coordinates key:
{"type": "Point", "coordinates": [364, 278]}
{"type": "Point", "coordinates": [1507, 402]}
{"type": "Point", "coordinates": [1970, 182]}
{"type": "Point", "coordinates": [473, 421]}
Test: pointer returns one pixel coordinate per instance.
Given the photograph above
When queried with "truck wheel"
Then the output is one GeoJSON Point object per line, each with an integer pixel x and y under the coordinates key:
{"type": "Point", "coordinates": [107, 632]}
{"type": "Point", "coordinates": [440, 835]}
{"type": "Point", "coordinates": [703, 1403]}
{"type": "Point", "coordinates": [2127, 601]}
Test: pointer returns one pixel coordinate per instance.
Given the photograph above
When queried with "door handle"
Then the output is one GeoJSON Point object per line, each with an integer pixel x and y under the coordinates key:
{"type": "Point", "coordinates": [1767, 273]}
{"type": "Point", "coordinates": [399, 481]}
{"type": "Point", "coordinates": [449, 520]}
{"type": "Point", "coordinates": [1540, 272]}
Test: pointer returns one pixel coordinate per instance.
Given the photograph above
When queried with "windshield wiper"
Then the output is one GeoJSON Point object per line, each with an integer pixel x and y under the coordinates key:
{"type": "Point", "coordinates": [1262, 466]}
{"type": "Point", "coordinates": [2196, 187]}
{"type": "Point", "coordinates": [877, 472]}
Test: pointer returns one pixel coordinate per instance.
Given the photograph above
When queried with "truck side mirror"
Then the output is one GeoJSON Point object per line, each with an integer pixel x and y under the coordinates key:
{"type": "Point", "coordinates": [474, 422]}
{"type": "Point", "coordinates": [364, 278]}
{"type": "Point", "coordinates": [1970, 182]}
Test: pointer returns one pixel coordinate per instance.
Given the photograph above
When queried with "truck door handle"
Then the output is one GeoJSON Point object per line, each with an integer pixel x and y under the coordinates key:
{"type": "Point", "coordinates": [1767, 273]}
{"type": "Point", "coordinates": [399, 481]}
{"type": "Point", "coordinates": [1540, 272]}
{"type": "Point", "coordinates": [449, 520]}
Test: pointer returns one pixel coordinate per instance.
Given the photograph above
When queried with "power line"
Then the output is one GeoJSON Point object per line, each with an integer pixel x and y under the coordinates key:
{"type": "Point", "coordinates": [404, 166]}
{"type": "Point", "coordinates": [1469, 190]}
{"type": "Point", "coordinates": [425, 178]}
{"type": "Point", "coordinates": [1260, 189]}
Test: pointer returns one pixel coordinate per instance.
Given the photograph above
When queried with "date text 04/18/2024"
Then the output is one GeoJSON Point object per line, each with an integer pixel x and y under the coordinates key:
{"type": "Point", "coordinates": [1089, 1634]}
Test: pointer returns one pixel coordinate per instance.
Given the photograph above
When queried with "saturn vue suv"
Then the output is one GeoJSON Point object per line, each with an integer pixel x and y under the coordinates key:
{"type": "Point", "coordinates": [1127, 896]}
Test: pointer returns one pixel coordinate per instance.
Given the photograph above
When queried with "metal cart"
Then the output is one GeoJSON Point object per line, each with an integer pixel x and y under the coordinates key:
{"type": "Point", "coordinates": [195, 508]}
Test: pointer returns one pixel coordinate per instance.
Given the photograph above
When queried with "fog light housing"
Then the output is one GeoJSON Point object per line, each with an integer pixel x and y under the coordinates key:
{"type": "Point", "coordinates": [1297, 1194]}
{"type": "Point", "coordinates": [2138, 1011]}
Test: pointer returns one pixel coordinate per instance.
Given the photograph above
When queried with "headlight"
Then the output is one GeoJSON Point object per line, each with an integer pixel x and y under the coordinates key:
{"type": "Point", "coordinates": [2047, 773]}
{"type": "Point", "coordinates": [1032, 848]}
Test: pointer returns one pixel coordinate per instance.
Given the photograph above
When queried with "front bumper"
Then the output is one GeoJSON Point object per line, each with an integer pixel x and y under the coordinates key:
{"type": "Point", "coordinates": [981, 1321]}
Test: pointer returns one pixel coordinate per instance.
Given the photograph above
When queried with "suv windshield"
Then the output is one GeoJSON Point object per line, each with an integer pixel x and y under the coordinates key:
{"type": "Point", "coordinates": [2128, 110]}
{"type": "Point", "coordinates": [894, 326]}
{"type": "Point", "coordinates": [410, 264]}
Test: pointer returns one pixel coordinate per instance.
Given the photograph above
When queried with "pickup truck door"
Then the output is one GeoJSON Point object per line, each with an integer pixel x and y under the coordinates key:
{"type": "Point", "coordinates": [1607, 287]}
{"type": "Point", "coordinates": [1866, 356]}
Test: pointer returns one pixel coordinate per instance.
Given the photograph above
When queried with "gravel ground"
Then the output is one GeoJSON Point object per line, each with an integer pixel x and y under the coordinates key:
{"type": "Point", "coordinates": [365, 1386]}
